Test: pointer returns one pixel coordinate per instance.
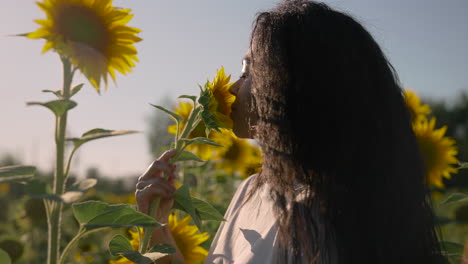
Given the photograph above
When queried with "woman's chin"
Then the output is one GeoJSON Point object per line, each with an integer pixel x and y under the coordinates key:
{"type": "Point", "coordinates": [241, 132]}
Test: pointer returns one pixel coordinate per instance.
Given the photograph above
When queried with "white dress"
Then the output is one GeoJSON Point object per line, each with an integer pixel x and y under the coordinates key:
{"type": "Point", "coordinates": [249, 234]}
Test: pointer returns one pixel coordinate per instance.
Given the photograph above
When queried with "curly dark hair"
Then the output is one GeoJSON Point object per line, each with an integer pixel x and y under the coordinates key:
{"type": "Point", "coordinates": [341, 159]}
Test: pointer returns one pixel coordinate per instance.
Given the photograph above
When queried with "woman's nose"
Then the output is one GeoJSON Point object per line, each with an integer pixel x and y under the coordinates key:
{"type": "Point", "coordinates": [235, 87]}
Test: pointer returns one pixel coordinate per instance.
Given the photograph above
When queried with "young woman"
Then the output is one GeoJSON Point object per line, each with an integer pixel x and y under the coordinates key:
{"type": "Point", "coordinates": [342, 178]}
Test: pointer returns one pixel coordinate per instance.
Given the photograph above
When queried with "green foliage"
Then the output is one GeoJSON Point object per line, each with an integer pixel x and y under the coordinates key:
{"type": "Point", "coordinates": [97, 133]}
{"type": "Point", "coordinates": [199, 140]}
{"type": "Point", "coordinates": [58, 107]}
{"type": "Point", "coordinates": [59, 94]}
{"type": "Point", "coordinates": [185, 156]}
{"type": "Point", "coordinates": [85, 184]}
{"type": "Point", "coordinates": [175, 116]}
{"type": "Point", "coordinates": [16, 173]}
{"type": "Point", "coordinates": [206, 211]}
{"type": "Point", "coordinates": [191, 97]}
{"type": "Point", "coordinates": [13, 247]}
{"type": "Point", "coordinates": [158, 137]}
{"type": "Point", "coordinates": [96, 214]}
{"type": "Point", "coordinates": [456, 197]}
{"type": "Point", "coordinates": [76, 89]}
{"type": "Point", "coordinates": [452, 249]}
{"type": "Point", "coordinates": [119, 245]}
{"type": "Point", "coordinates": [183, 201]}
{"type": "Point", "coordinates": [206, 115]}
{"type": "Point", "coordinates": [4, 257]}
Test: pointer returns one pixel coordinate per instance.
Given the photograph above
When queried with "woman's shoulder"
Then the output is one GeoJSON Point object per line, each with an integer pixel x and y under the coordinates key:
{"type": "Point", "coordinates": [247, 184]}
{"type": "Point", "coordinates": [242, 192]}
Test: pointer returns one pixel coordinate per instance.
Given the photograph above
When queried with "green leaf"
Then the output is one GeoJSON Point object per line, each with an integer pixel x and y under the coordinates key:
{"type": "Point", "coordinates": [183, 201]}
{"type": "Point", "coordinates": [39, 189]}
{"type": "Point", "coordinates": [97, 133]}
{"type": "Point", "coordinates": [85, 184]}
{"type": "Point", "coordinates": [185, 156]}
{"type": "Point", "coordinates": [191, 97]}
{"type": "Point", "coordinates": [95, 214]}
{"type": "Point", "coordinates": [205, 95]}
{"type": "Point", "coordinates": [175, 116]}
{"type": "Point", "coordinates": [16, 173]}
{"type": "Point", "coordinates": [71, 197]}
{"type": "Point", "coordinates": [209, 119]}
{"type": "Point", "coordinates": [463, 165]}
{"type": "Point", "coordinates": [200, 140]}
{"type": "Point", "coordinates": [119, 245]}
{"type": "Point", "coordinates": [59, 107]}
{"type": "Point", "coordinates": [76, 89]}
{"type": "Point", "coordinates": [206, 211]}
{"type": "Point", "coordinates": [452, 248]}
{"type": "Point", "coordinates": [78, 190]}
{"type": "Point", "coordinates": [163, 248]}
{"type": "Point", "coordinates": [442, 220]}
{"type": "Point", "coordinates": [57, 93]}
{"type": "Point", "coordinates": [455, 198]}
{"type": "Point", "coordinates": [4, 257]}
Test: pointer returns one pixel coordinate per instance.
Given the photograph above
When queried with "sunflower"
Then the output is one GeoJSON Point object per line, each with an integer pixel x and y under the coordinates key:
{"type": "Point", "coordinates": [221, 99]}
{"type": "Point", "coordinates": [237, 154]}
{"type": "Point", "coordinates": [4, 188]}
{"type": "Point", "coordinates": [438, 151]}
{"type": "Point", "coordinates": [417, 110]}
{"type": "Point", "coordinates": [186, 237]}
{"type": "Point", "coordinates": [188, 240]}
{"type": "Point", "coordinates": [92, 34]}
{"type": "Point", "coordinates": [204, 151]}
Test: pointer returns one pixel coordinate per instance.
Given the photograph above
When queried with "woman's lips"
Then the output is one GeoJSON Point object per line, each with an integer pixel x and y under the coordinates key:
{"type": "Point", "coordinates": [233, 109]}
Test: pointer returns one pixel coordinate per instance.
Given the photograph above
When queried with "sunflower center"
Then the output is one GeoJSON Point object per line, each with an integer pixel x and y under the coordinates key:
{"type": "Point", "coordinates": [430, 153]}
{"type": "Point", "coordinates": [81, 24]}
{"type": "Point", "coordinates": [233, 152]}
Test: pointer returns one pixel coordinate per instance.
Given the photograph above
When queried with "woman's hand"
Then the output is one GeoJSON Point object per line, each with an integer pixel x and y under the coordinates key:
{"type": "Point", "coordinates": [152, 184]}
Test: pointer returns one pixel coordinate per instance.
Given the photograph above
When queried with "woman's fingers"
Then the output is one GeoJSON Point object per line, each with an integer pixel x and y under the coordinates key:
{"type": "Point", "coordinates": [156, 181]}
{"type": "Point", "coordinates": [167, 155]}
{"type": "Point", "coordinates": [146, 195]}
{"type": "Point", "coordinates": [172, 175]}
{"type": "Point", "coordinates": [159, 166]}
{"type": "Point", "coordinates": [151, 184]}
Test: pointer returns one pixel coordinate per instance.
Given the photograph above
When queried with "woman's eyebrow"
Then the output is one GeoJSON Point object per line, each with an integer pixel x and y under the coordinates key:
{"type": "Point", "coordinates": [246, 59]}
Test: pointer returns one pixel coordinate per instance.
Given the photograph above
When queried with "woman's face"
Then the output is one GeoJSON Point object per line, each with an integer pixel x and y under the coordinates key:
{"type": "Point", "coordinates": [242, 115]}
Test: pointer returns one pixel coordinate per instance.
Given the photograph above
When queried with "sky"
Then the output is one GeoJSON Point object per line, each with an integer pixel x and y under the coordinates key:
{"type": "Point", "coordinates": [184, 43]}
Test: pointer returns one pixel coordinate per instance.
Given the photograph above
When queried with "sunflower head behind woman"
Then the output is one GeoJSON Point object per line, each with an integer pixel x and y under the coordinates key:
{"type": "Point", "coordinates": [92, 34]}
{"type": "Point", "coordinates": [186, 236]}
{"type": "Point", "coordinates": [437, 150]}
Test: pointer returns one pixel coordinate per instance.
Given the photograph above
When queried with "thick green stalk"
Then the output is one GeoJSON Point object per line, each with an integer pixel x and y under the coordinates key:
{"type": "Point", "coordinates": [191, 122]}
{"type": "Point", "coordinates": [55, 217]}
{"type": "Point", "coordinates": [149, 230]}
{"type": "Point", "coordinates": [72, 243]}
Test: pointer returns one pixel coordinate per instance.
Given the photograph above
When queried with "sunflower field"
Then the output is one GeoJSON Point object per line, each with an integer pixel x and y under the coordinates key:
{"type": "Point", "coordinates": [52, 217]}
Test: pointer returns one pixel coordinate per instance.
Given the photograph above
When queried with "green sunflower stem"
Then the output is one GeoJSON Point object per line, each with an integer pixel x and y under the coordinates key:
{"type": "Point", "coordinates": [149, 230]}
{"type": "Point", "coordinates": [70, 245]}
{"type": "Point", "coordinates": [55, 217]}
{"type": "Point", "coordinates": [192, 122]}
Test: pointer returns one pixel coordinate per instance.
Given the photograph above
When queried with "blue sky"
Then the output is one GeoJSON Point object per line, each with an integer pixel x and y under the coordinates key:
{"type": "Point", "coordinates": [185, 42]}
